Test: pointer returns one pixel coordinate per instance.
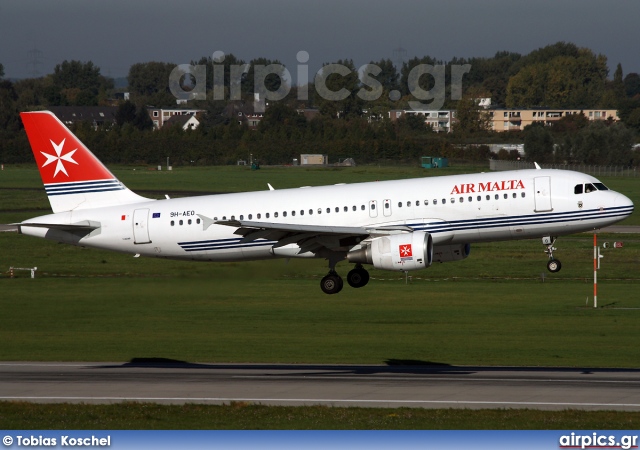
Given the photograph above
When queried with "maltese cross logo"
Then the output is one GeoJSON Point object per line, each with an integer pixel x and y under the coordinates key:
{"type": "Point", "coordinates": [405, 251]}
{"type": "Point", "coordinates": [59, 157]}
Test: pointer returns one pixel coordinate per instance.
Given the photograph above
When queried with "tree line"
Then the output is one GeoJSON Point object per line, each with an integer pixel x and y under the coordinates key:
{"type": "Point", "coordinates": [561, 75]}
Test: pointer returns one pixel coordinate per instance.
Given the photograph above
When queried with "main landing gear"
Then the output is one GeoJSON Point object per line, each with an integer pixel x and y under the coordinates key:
{"type": "Point", "coordinates": [332, 283]}
{"type": "Point", "coordinates": [553, 265]}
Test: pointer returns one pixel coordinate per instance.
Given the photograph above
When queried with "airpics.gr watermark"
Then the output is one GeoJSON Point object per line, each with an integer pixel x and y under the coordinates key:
{"type": "Point", "coordinates": [370, 90]}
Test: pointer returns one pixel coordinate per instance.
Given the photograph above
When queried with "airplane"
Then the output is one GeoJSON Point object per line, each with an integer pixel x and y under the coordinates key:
{"type": "Point", "coordinates": [400, 225]}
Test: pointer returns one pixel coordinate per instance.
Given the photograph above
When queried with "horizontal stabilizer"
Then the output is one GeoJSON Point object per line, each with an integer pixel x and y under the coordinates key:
{"type": "Point", "coordinates": [85, 225]}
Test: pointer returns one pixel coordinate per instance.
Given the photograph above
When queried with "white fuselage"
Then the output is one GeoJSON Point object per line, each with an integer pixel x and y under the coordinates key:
{"type": "Point", "coordinates": [458, 209]}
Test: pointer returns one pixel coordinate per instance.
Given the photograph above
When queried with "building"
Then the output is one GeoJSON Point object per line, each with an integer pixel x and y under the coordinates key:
{"type": "Point", "coordinates": [186, 121]}
{"type": "Point", "coordinates": [160, 116]}
{"type": "Point", "coordinates": [244, 113]}
{"type": "Point", "coordinates": [96, 115]}
{"type": "Point", "coordinates": [439, 120]}
{"type": "Point", "coordinates": [516, 119]}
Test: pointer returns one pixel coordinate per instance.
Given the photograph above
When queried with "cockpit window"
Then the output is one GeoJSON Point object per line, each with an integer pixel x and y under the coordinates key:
{"type": "Point", "coordinates": [589, 188]}
{"type": "Point", "coordinates": [577, 189]}
{"type": "Point", "coordinates": [601, 187]}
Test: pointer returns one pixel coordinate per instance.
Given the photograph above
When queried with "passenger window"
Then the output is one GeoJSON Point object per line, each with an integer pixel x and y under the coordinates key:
{"type": "Point", "coordinates": [435, 201]}
{"type": "Point", "coordinates": [354, 208]}
{"type": "Point", "coordinates": [319, 210]}
{"type": "Point", "coordinates": [479, 197]}
{"type": "Point", "coordinates": [399, 204]}
{"type": "Point", "coordinates": [181, 222]}
{"type": "Point", "coordinates": [408, 204]}
{"type": "Point", "coordinates": [426, 202]}
{"type": "Point", "coordinates": [293, 213]}
{"type": "Point", "coordinates": [267, 215]}
{"type": "Point", "coordinates": [302, 212]}
{"type": "Point", "coordinates": [232, 218]}
{"type": "Point", "coordinates": [373, 206]}
{"type": "Point", "coordinates": [328, 210]}
{"type": "Point", "coordinates": [189, 221]}
{"type": "Point", "coordinates": [522, 195]}
{"type": "Point", "coordinates": [417, 202]}
{"type": "Point", "coordinates": [198, 221]}
{"type": "Point", "coordinates": [242, 217]}
{"type": "Point", "coordinates": [488, 197]}
{"type": "Point", "coordinates": [284, 214]}
{"type": "Point", "coordinates": [275, 214]}
{"type": "Point", "coordinates": [515, 195]}
{"type": "Point", "coordinates": [506, 196]}
{"type": "Point", "coordinates": [346, 208]}
{"type": "Point", "coordinates": [259, 215]}
{"type": "Point", "coordinates": [470, 198]}
{"type": "Point", "coordinates": [337, 209]}
{"type": "Point", "coordinates": [311, 212]}
{"type": "Point", "coordinates": [453, 200]}
{"type": "Point", "coordinates": [461, 199]}
{"type": "Point", "coordinates": [497, 196]}
{"type": "Point", "coordinates": [250, 217]}
{"type": "Point", "coordinates": [362, 207]}
{"type": "Point", "coordinates": [444, 201]}
{"type": "Point", "coordinates": [173, 223]}
{"type": "Point", "coordinates": [577, 189]}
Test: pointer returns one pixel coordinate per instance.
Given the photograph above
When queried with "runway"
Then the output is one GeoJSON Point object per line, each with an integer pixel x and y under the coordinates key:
{"type": "Point", "coordinates": [331, 385]}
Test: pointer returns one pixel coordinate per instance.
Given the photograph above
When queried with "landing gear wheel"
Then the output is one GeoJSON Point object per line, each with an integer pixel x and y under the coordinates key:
{"type": "Point", "coordinates": [554, 265]}
{"type": "Point", "coordinates": [331, 284]}
{"type": "Point", "coordinates": [358, 277]}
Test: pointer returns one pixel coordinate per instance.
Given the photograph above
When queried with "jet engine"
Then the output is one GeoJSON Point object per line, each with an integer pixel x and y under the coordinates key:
{"type": "Point", "coordinates": [406, 251]}
{"type": "Point", "coordinates": [446, 253]}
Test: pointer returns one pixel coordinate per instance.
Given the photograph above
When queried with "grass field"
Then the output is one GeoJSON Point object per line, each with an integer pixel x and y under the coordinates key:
{"type": "Point", "coordinates": [498, 307]}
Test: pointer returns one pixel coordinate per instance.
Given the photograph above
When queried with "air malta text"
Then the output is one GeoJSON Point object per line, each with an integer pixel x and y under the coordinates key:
{"type": "Point", "coordinates": [504, 185]}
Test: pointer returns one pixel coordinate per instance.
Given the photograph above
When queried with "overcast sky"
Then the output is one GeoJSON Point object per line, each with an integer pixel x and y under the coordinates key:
{"type": "Point", "coordinates": [115, 34]}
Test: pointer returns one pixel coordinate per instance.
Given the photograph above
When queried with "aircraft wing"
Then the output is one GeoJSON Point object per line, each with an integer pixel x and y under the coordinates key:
{"type": "Point", "coordinates": [310, 238]}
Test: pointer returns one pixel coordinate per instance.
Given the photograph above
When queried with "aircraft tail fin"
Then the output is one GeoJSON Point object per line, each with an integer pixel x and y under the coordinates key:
{"type": "Point", "coordinates": [73, 177]}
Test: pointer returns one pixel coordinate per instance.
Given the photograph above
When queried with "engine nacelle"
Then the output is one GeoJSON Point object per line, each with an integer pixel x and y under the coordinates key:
{"type": "Point", "coordinates": [406, 251]}
{"type": "Point", "coordinates": [446, 253]}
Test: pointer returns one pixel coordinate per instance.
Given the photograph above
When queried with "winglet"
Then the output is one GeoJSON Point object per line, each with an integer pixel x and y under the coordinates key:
{"type": "Point", "coordinates": [270, 187]}
{"type": "Point", "coordinates": [537, 166]}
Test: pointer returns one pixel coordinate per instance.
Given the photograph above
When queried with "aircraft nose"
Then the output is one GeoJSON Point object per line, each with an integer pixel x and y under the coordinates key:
{"type": "Point", "coordinates": [624, 202]}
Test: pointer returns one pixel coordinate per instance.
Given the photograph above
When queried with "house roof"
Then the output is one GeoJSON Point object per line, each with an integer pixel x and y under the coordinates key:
{"type": "Point", "coordinates": [98, 114]}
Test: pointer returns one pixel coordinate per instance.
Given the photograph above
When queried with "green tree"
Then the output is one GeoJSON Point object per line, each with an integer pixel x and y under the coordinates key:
{"type": "Point", "coordinates": [538, 143]}
{"type": "Point", "coordinates": [337, 93]}
{"type": "Point", "coordinates": [570, 80]}
{"type": "Point", "coordinates": [632, 85]}
{"type": "Point", "coordinates": [149, 82]}
{"type": "Point", "coordinates": [142, 120]}
{"type": "Point", "coordinates": [126, 113]}
{"type": "Point", "coordinates": [1, 71]}
{"type": "Point", "coordinates": [471, 118]}
{"type": "Point", "coordinates": [78, 83]}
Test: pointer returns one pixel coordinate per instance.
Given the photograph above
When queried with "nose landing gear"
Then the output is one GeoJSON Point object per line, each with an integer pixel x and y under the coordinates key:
{"type": "Point", "coordinates": [553, 265]}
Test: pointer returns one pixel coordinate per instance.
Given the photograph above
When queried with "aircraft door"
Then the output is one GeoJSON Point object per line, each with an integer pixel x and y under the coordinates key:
{"type": "Point", "coordinates": [140, 226]}
{"type": "Point", "coordinates": [373, 208]}
{"type": "Point", "coordinates": [542, 188]}
{"type": "Point", "coordinates": [387, 208]}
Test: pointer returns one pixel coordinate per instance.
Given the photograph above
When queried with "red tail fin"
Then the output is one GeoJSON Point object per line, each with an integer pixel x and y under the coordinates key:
{"type": "Point", "coordinates": [73, 177]}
